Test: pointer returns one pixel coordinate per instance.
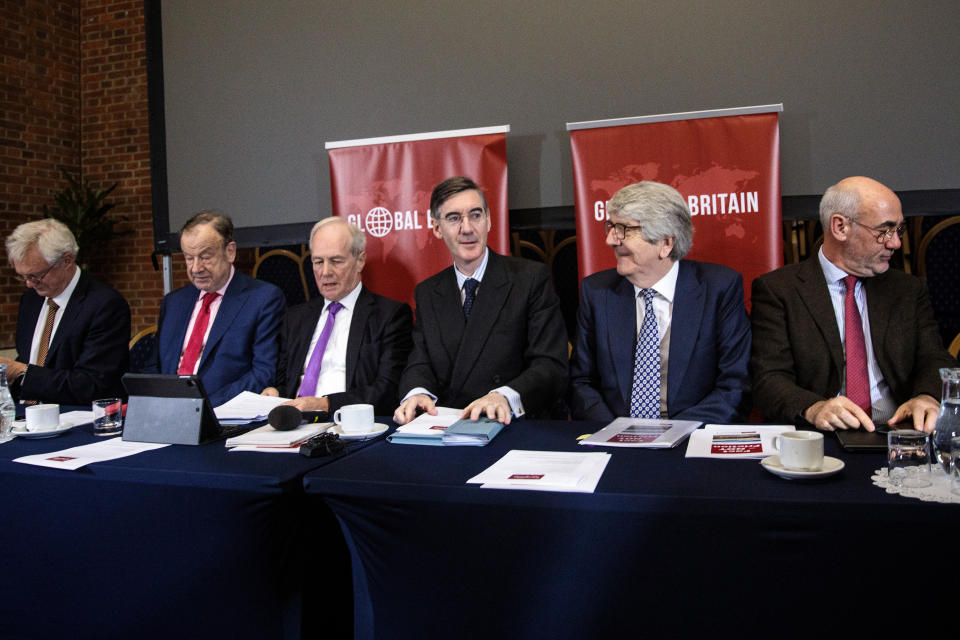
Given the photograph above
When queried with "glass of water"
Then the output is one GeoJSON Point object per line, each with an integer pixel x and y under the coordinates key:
{"type": "Point", "coordinates": [908, 458]}
{"type": "Point", "coordinates": [107, 417]}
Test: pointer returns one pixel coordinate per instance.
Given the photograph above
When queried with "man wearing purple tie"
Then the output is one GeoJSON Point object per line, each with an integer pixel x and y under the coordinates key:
{"type": "Point", "coordinates": [348, 346]}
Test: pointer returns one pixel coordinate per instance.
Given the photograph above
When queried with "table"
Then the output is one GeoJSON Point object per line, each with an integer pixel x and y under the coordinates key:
{"type": "Point", "coordinates": [666, 546]}
{"type": "Point", "coordinates": [178, 542]}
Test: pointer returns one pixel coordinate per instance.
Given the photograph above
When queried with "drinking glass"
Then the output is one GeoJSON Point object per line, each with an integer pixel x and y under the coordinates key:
{"type": "Point", "coordinates": [908, 457]}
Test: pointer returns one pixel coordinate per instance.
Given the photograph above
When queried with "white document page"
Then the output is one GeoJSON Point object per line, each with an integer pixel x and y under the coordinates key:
{"type": "Point", "coordinates": [77, 457]}
{"type": "Point", "coordinates": [246, 407]}
{"type": "Point", "coordinates": [732, 441]}
{"type": "Point", "coordinates": [267, 436]}
{"type": "Point", "coordinates": [431, 426]}
{"type": "Point", "coordinates": [544, 471]}
{"type": "Point", "coordinates": [642, 432]}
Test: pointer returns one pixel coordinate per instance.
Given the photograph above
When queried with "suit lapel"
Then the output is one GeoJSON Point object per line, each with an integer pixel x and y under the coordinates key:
{"type": "Point", "coordinates": [358, 325]}
{"type": "Point", "coordinates": [813, 291]}
{"type": "Point", "coordinates": [445, 301]}
{"type": "Point", "coordinates": [233, 300]}
{"type": "Point", "coordinates": [491, 296]}
{"type": "Point", "coordinates": [684, 326]}
{"type": "Point", "coordinates": [619, 305]}
{"type": "Point", "coordinates": [880, 300]}
{"type": "Point", "coordinates": [73, 308]}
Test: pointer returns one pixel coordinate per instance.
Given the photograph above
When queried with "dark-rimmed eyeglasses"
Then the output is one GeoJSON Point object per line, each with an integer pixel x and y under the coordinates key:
{"type": "Point", "coordinates": [884, 233]}
{"type": "Point", "coordinates": [619, 229]}
{"type": "Point", "coordinates": [454, 219]}
{"type": "Point", "coordinates": [37, 278]}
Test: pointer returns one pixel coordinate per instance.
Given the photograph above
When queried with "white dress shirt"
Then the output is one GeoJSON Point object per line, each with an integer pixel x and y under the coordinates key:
{"type": "Point", "coordinates": [665, 289]}
{"type": "Point", "coordinates": [333, 367]}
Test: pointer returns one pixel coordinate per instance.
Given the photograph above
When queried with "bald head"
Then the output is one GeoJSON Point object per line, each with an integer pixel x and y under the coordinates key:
{"type": "Point", "coordinates": [857, 214]}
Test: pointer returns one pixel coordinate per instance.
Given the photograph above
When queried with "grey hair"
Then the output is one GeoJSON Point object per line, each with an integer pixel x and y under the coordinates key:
{"type": "Point", "coordinates": [358, 241]}
{"type": "Point", "coordinates": [837, 199]}
{"type": "Point", "coordinates": [660, 210]}
{"type": "Point", "coordinates": [51, 237]}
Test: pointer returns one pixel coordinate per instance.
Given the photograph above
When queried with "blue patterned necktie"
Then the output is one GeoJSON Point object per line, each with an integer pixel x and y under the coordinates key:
{"type": "Point", "coordinates": [645, 394]}
{"type": "Point", "coordinates": [469, 295]}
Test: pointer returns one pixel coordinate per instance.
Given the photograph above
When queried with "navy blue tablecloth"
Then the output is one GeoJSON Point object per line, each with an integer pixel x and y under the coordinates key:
{"type": "Point", "coordinates": [177, 542]}
{"type": "Point", "coordinates": [665, 546]}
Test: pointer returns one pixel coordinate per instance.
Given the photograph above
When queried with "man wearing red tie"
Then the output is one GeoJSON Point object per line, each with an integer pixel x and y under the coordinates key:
{"type": "Point", "coordinates": [841, 341]}
{"type": "Point", "coordinates": [222, 327]}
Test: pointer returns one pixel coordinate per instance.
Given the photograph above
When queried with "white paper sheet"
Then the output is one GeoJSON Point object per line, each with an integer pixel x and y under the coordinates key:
{"type": "Point", "coordinates": [544, 471]}
{"type": "Point", "coordinates": [431, 426]}
{"type": "Point", "coordinates": [76, 457]}
{"type": "Point", "coordinates": [642, 432]}
{"type": "Point", "coordinates": [246, 407]}
{"type": "Point", "coordinates": [267, 436]}
{"type": "Point", "coordinates": [732, 441]}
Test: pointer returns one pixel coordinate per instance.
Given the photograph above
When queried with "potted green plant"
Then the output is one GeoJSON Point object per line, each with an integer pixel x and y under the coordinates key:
{"type": "Point", "coordinates": [84, 210]}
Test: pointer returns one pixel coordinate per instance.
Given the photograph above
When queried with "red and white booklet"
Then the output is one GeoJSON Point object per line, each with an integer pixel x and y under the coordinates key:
{"type": "Point", "coordinates": [735, 441]}
{"type": "Point", "coordinates": [642, 432]}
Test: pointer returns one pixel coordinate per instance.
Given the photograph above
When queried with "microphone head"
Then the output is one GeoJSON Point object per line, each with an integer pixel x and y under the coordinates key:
{"type": "Point", "coordinates": [284, 417]}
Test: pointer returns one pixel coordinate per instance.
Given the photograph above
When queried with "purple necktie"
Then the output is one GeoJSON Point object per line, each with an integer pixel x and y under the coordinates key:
{"type": "Point", "coordinates": [309, 385]}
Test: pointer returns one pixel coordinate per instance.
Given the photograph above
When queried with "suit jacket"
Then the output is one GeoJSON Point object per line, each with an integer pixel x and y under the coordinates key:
{"type": "Point", "coordinates": [378, 344]}
{"type": "Point", "coordinates": [707, 374]}
{"type": "Point", "coordinates": [241, 350]}
{"type": "Point", "coordinates": [89, 352]}
{"type": "Point", "coordinates": [515, 337]}
{"type": "Point", "coordinates": [797, 353]}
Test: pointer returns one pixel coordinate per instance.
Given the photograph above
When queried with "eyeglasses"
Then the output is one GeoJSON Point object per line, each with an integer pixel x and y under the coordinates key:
{"type": "Point", "coordinates": [38, 278]}
{"type": "Point", "coordinates": [455, 218]}
{"type": "Point", "coordinates": [620, 229]}
{"type": "Point", "coordinates": [884, 233]}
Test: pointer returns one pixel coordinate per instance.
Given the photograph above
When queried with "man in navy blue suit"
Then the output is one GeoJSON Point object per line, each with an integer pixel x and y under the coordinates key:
{"type": "Point", "coordinates": [223, 327]}
{"type": "Point", "coordinates": [693, 366]}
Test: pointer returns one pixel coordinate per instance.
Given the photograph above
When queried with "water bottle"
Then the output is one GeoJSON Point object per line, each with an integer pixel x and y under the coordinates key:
{"type": "Point", "coordinates": [948, 422]}
{"type": "Point", "coordinates": [8, 409]}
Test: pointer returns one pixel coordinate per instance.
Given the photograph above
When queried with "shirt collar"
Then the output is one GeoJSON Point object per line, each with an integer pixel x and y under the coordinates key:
{"type": "Point", "coordinates": [222, 290]}
{"type": "Point", "coordinates": [64, 296]}
{"type": "Point", "coordinates": [477, 275]}
{"type": "Point", "coordinates": [831, 272]}
{"type": "Point", "coordinates": [665, 286]}
{"type": "Point", "coordinates": [348, 301]}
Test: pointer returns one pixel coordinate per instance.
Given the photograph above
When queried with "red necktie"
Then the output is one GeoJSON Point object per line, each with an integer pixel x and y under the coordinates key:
{"type": "Point", "coordinates": [858, 380]}
{"type": "Point", "coordinates": [195, 345]}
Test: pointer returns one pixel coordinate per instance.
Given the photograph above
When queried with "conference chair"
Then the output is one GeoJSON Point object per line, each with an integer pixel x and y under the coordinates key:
{"type": "Point", "coordinates": [143, 347]}
{"type": "Point", "coordinates": [938, 264]}
{"type": "Point", "coordinates": [283, 268]}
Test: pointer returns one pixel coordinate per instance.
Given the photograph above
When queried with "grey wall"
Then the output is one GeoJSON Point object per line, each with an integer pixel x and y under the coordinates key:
{"type": "Point", "coordinates": [253, 89]}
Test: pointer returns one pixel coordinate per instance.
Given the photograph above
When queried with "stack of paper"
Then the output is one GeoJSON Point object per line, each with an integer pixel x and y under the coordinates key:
{"type": "Point", "coordinates": [246, 407]}
{"type": "Point", "coordinates": [266, 438]}
{"type": "Point", "coordinates": [642, 432]}
{"type": "Point", "coordinates": [472, 433]}
{"type": "Point", "coordinates": [76, 457]}
{"type": "Point", "coordinates": [425, 428]}
{"type": "Point", "coordinates": [544, 471]}
{"type": "Point", "coordinates": [734, 441]}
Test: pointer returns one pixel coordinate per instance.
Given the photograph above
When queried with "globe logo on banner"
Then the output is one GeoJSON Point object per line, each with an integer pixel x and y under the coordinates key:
{"type": "Point", "coordinates": [378, 222]}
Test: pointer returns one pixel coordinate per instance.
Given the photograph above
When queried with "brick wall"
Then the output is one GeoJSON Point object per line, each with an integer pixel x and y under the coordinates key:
{"type": "Point", "coordinates": [39, 120]}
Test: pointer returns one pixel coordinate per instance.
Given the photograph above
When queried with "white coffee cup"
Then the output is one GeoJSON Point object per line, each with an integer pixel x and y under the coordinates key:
{"type": "Point", "coordinates": [354, 418]}
{"type": "Point", "coordinates": [800, 450]}
{"type": "Point", "coordinates": [43, 417]}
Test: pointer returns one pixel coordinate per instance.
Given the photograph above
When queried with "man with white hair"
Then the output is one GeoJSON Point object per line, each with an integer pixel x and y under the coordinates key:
{"type": "Point", "coordinates": [659, 336]}
{"type": "Point", "coordinates": [72, 330]}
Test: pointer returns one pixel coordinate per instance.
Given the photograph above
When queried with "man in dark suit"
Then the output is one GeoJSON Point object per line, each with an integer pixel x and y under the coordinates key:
{"type": "Point", "coordinates": [369, 337]}
{"type": "Point", "coordinates": [224, 326]}
{"type": "Point", "coordinates": [72, 330]}
{"type": "Point", "coordinates": [841, 341]}
{"type": "Point", "coordinates": [488, 333]}
{"type": "Point", "coordinates": [659, 336]}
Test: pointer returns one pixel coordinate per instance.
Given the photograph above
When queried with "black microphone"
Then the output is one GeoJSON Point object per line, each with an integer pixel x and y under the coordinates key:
{"type": "Point", "coordinates": [284, 417]}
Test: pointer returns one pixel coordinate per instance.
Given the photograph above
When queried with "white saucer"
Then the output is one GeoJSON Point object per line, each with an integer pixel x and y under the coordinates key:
{"type": "Point", "coordinates": [363, 435]}
{"type": "Point", "coordinates": [830, 466]}
{"type": "Point", "coordinates": [20, 430]}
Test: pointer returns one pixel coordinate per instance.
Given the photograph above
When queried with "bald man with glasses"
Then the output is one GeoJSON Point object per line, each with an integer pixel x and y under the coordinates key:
{"type": "Point", "coordinates": [842, 341]}
{"type": "Point", "coordinates": [72, 330]}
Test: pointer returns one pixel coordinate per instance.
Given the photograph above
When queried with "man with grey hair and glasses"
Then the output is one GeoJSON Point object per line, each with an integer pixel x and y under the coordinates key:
{"type": "Point", "coordinates": [72, 330]}
{"type": "Point", "coordinates": [659, 336]}
{"type": "Point", "coordinates": [842, 341]}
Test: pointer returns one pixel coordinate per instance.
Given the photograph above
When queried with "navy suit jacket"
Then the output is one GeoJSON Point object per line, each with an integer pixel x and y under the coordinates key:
{"type": "Point", "coordinates": [707, 376]}
{"type": "Point", "coordinates": [89, 352]}
{"type": "Point", "coordinates": [515, 337]}
{"type": "Point", "coordinates": [377, 348]}
{"type": "Point", "coordinates": [241, 350]}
